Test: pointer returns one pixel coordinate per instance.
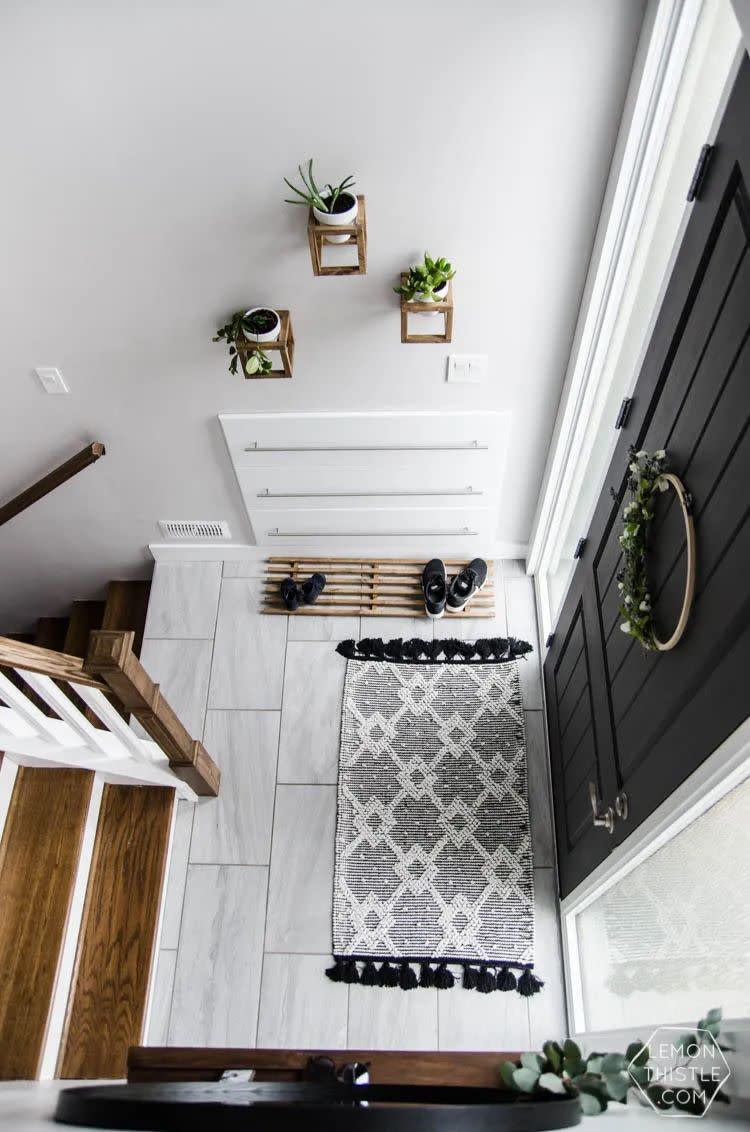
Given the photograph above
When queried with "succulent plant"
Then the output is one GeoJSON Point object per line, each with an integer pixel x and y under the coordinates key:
{"type": "Point", "coordinates": [425, 278]}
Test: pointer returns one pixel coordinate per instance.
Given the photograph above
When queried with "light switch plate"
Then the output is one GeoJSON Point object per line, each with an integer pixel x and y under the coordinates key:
{"type": "Point", "coordinates": [52, 380]}
{"type": "Point", "coordinates": [466, 367]}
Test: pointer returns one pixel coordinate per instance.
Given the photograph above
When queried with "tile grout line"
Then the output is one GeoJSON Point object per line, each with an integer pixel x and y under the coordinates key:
{"type": "Point", "coordinates": [273, 826]}
{"type": "Point", "coordinates": [193, 804]}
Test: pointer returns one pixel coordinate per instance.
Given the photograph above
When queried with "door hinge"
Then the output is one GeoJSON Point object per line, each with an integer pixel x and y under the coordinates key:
{"type": "Point", "coordinates": [549, 640]}
{"type": "Point", "coordinates": [624, 413]}
{"type": "Point", "coordinates": [580, 547]}
{"type": "Point", "coordinates": [701, 169]}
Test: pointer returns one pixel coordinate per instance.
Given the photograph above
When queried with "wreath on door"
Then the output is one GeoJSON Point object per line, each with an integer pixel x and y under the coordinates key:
{"type": "Point", "coordinates": [648, 477]}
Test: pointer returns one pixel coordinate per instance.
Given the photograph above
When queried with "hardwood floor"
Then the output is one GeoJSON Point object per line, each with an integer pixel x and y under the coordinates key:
{"type": "Point", "coordinates": [108, 998]}
{"type": "Point", "coordinates": [38, 859]}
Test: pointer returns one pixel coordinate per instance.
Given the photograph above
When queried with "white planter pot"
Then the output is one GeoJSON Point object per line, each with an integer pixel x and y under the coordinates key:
{"type": "Point", "coordinates": [337, 220]}
{"type": "Point", "coordinates": [270, 335]}
{"type": "Point", "coordinates": [439, 293]}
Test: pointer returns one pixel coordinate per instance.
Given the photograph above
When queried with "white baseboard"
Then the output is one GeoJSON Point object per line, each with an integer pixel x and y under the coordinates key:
{"type": "Point", "coordinates": [234, 552]}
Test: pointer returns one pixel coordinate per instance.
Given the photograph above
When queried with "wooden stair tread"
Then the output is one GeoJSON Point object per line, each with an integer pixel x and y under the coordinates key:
{"type": "Point", "coordinates": [51, 633]}
{"type": "Point", "coordinates": [118, 933]}
{"type": "Point", "coordinates": [39, 855]}
{"type": "Point", "coordinates": [126, 607]}
{"type": "Point", "coordinates": [84, 617]}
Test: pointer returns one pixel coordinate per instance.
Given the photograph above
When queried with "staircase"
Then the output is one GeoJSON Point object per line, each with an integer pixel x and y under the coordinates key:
{"type": "Point", "coordinates": [86, 812]}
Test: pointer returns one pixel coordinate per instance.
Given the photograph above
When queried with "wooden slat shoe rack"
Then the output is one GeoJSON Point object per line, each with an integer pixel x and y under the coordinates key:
{"type": "Point", "coordinates": [368, 587]}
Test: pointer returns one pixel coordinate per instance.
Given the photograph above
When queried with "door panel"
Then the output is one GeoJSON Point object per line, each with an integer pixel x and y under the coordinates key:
{"type": "Point", "coordinates": [649, 719]}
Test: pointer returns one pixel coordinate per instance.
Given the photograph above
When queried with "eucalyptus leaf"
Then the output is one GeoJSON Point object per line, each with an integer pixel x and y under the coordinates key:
{"type": "Point", "coordinates": [591, 1103]}
{"type": "Point", "coordinates": [714, 1015]}
{"type": "Point", "coordinates": [637, 1053]}
{"type": "Point", "coordinates": [690, 1101]}
{"type": "Point", "coordinates": [655, 1094]}
{"type": "Point", "coordinates": [594, 1063]}
{"type": "Point", "coordinates": [532, 1061]}
{"type": "Point", "coordinates": [613, 1063]}
{"type": "Point", "coordinates": [617, 1085]}
{"type": "Point", "coordinates": [571, 1050]}
{"type": "Point", "coordinates": [525, 1080]}
{"type": "Point", "coordinates": [507, 1069]}
{"type": "Point", "coordinates": [554, 1055]}
{"type": "Point", "coordinates": [687, 1045]}
{"type": "Point", "coordinates": [552, 1083]}
{"type": "Point", "coordinates": [641, 1074]}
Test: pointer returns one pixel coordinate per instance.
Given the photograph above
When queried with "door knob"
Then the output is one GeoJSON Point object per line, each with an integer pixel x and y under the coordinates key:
{"type": "Point", "coordinates": [602, 817]}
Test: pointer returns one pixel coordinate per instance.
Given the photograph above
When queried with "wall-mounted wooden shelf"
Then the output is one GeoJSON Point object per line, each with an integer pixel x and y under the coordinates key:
{"type": "Point", "coordinates": [284, 346]}
{"type": "Point", "coordinates": [427, 310]}
{"type": "Point", "coordinates": [357, 235]}
{"type": "Point", "coordinates": [374, 587]}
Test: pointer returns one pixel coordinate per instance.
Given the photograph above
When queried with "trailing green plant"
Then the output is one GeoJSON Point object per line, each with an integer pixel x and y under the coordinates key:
{"type": "Point", "coordinates": [598, 1078]}
{"type": "Point", "coordinates": [259, 322]}
{"type": "Point", "coordinates": [646, 479]}
{"type": "Point", "coordinates": [324, 199]}
{"type": "Point", "coordinates": [258, 362]}
{"type": "Point", "coordinates": [425, 278]}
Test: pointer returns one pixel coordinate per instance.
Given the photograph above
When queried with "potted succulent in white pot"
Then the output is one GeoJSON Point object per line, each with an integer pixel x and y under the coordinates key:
{"type": "Point", "coordinates": [333, 206]}
{"type": "Point", "coordinates": [259, 324]}
{"type": "Point", "coordinates": [426, 282]}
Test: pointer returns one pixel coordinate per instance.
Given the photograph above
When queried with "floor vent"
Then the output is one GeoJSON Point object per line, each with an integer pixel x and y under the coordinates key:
{"type": "Point", "coordinates": [194, 528]}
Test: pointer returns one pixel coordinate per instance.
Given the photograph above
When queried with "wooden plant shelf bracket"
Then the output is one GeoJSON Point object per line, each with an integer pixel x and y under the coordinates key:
{"type": "Point", "coordinates": [357, 234]}
{"type": "Point", "coordinates": [427, 310]}
{"type": "Point", "coordinates": [368, 587]}
{"type": "Point", "coordinates": [284, 346]}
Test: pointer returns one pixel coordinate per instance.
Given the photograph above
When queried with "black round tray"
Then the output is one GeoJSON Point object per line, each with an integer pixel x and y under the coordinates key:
{"type": "Point", "coordinates": [278, 1107]}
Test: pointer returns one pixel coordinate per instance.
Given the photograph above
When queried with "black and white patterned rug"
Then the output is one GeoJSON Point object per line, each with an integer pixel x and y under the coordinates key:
{"type": "Point", "coordinates": [433, 851]}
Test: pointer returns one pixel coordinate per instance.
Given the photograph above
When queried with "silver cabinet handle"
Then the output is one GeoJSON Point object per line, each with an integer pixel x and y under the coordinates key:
{"type": "Point", "coordinates": [466, 446]}
{"type": "Point", "coordinates": [266, 493]}
{"type": "Point", "coordinates": [462, 532]}
{"type": "Point", "coordinates": [621, 806]}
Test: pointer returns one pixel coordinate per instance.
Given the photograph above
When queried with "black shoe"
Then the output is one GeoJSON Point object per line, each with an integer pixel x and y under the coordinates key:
{"type": "Point", "coordinates": [433, 588]}
{"type": "Point", "coordinates": [290, 593]}
{"type": "Point", "coordinates": [469, 582]}
{"type": "Point", "coordinates": [312, 588]}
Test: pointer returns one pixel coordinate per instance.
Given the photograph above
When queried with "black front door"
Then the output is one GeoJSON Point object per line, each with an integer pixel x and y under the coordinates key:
{"type": "Point", "coordinates": [620, 717]}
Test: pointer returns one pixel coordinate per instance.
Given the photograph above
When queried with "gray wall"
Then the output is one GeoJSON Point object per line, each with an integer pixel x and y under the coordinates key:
{"type": "Point", "coordinates": [143, 156]}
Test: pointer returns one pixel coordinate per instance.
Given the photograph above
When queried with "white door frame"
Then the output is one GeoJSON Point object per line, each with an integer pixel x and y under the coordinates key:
{"type": "Point", "coordinates": [686, 72]}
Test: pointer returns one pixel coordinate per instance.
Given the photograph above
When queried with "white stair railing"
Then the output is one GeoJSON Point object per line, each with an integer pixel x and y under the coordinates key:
{"type": "Point", "coordinates": [68, 738]}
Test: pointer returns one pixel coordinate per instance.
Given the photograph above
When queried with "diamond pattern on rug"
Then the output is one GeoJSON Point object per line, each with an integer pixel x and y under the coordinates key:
{"type": "Point", "coordinates": [433, 850]}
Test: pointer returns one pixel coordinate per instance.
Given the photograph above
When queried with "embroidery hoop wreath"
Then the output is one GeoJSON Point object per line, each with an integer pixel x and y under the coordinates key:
{"type": "Point", "coordinates": [649, 477]}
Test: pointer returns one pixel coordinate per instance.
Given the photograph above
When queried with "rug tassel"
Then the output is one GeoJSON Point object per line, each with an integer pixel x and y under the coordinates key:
{"type": "Point", "coordinates": [444, 978]}
{"type": "Point", "coordinates": [336, 972]}
{"type": "Point", "coordinates": [369, 976]}
{"type": "Point", "coordinates": [469, 981]}
{"type": "Point", "coordinates": [350, 973]}
{"type": "Point", "coordinates": [506, 980]}
{"type": "Point", "coordinates": [388, 975]}
{"type": "Point", "coordinates": [407, 979]}
{"type": "Point", "coordinates": [426, 976]}
{"type": "Point", "coordinates": [529, 984]}
{"type": "Point", "coordinates": [486, 981]}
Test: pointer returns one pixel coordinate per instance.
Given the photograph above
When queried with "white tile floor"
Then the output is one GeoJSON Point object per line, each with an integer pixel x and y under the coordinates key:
{"type": "Point", "coordinates": [247, 922]}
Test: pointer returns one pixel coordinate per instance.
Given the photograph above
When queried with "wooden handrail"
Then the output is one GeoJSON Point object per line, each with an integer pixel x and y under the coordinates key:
{"type": "Point", "coordinates": [88, 455]}
{"type": "Point", "coordinates": [111, 658]}
{"type": "Point", "coordinates": [46, 662]}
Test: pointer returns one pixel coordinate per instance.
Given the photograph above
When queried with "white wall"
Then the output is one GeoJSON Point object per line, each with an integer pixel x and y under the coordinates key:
{"type": "Point", "coordinates": [143, 150]}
